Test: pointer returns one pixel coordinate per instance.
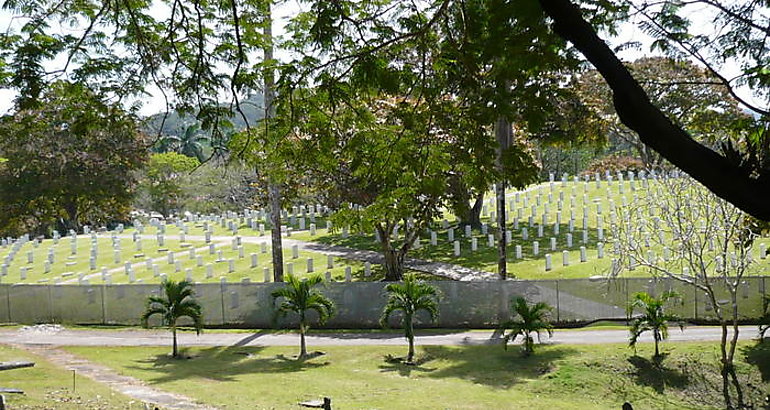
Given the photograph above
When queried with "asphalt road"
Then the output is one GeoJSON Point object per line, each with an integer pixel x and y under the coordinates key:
{"type": "Point", "coordinates": [139, 337]}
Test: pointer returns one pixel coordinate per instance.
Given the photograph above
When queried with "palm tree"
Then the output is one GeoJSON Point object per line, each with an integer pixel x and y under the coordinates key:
{"type": "Point", "coordinates": [189, 143]}
{"type": "Point", "coordinates": [410, 296]}
{"type": "Point", "coordinates": [653, 318]}
{"type": "Point", "coordinates": [176, 302]}
{"type": "Point", "coordinates": [165, 143]}
{"type": "Point", "coordinates": [533, 319]}
{"type": "Point", "coordinates": [300, 297]}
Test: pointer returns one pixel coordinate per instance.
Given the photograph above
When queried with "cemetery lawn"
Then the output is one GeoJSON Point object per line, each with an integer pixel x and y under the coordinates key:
{"type": "Point", "coordinates": [480, 377]}
{"type": "Point", "coordinates": [47, 386]}
{"type": "Point", "coordinates": [67, 268]}
{"type": "Point", "coordinates": [530, 265]}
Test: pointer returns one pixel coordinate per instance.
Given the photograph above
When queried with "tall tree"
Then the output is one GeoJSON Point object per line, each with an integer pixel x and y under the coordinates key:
{"type": "Point", "coordinates": [387, 160]}
{"type": "Point", "coordinates": [71, 160]}
{"type": "Point", "coordinates": [163, 182]}
{"type": "Point", "coordinates": [689, 95]}
{"type": "Point", "coordinates": [706, 243]}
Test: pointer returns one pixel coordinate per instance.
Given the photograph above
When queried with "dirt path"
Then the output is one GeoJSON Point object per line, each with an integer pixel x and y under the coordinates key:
{"type": "Point", "coordinates": [129, 386]}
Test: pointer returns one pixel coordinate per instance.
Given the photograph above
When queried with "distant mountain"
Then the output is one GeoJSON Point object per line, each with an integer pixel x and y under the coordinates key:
{"type": "Point", "coordinates": [176, 123]}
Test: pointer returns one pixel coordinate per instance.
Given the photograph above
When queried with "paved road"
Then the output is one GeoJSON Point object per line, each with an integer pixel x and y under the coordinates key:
{"type": "Point", "coordinates": [138, 337]}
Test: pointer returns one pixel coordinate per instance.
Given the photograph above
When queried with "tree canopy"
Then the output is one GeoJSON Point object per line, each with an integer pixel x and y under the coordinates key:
{"type": "Point", "coordinates": [501, 58]}
{"type": "Point", "coordinates": [71, 160]}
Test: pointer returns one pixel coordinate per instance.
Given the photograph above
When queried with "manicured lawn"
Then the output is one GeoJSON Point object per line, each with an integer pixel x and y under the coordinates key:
{"type": "Point", "coordinates": [588, 199]}
{"type": "Point", "coordinates": [475, 377]}
{"type": "Point", "coordinates": [49, 387]}
{"type": "Point", "coordinates": [68, 267]}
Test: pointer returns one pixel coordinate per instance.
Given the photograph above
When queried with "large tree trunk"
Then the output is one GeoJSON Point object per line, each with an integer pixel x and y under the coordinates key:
{"type": "Point", "coordinates": [460, 199]}
{"type": "Point", "coordinates": [473, 216]}
{"type": "Point", "coordinates": [503, 135]}
{"type": "Point", "coordinates": [71, 208]}
{"type": "Point", "coordinates": [394, 264]}
{"type": "Point", "coordinates": [722, 175]}
{"type": "Point", "coordinates": [394, 256]}
{"type": "Point", "coordinates": [273, 188]}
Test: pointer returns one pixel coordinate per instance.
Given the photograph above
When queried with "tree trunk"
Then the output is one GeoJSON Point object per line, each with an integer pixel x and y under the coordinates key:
{"type": "Point", "coordinates": [71, 208]}
{"type": "Point", "coordinates": [473, 217]}
{"type": "Point", "coordinates": [273, 188]}
{"type": "Point", "coordinates": [410, 336]}
{"type": "Point", "coordinates": [503, 135]}
{"type": "Point", "coordinates": [725, 370]}
{"type": "Point", "coordinates": [302, 345]}
{"type": "Point", "coordinates": [174, 351]}
{"type": "Point", "coordinates": [275, 232]}
{"type": "Point", "coordinates": [394, 257]}
{"type": "Point", "coordinates": [656, 333]}
{"type": "Point", "coordinates": [731, 351]}
{"type": "Point", "coordinates": [471, 214]}
{"type": "Point", "coordinates": [394, 264]}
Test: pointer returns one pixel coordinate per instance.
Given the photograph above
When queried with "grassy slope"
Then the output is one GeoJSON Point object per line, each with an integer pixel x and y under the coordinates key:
{"type": "Point", "coordinates": [587, 197]}
{"type": "Point", "coordinates": [530, 266]}
{"type": "Point", "coordinates": [36, 273]}
{"type": "Point", "coordinates": [479, 377]}
{"type": "Point", "coordinates": [46, 386]}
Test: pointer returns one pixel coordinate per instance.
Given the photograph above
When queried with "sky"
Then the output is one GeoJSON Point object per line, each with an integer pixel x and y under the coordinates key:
{"type": "Point", "coordinates": [155, 103]}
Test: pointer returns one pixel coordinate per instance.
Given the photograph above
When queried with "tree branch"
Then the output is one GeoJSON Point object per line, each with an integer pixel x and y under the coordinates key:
{"type": "Point", "coordinates": [722, 176]}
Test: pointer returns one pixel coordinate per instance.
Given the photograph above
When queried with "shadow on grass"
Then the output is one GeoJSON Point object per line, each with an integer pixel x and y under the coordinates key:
{"type": "Point", "coordinates": [653, 373]}
{"type": "Point", "coordinates": [485, 257]}
{"type": "Point", "coordinates": [758, 354]}
{"type": "Point", "coordinates": [491, 365]}
{"type": "Point", "coordinates": [221, 364]}
{"type": "Point", "coordinates": [404, 369]}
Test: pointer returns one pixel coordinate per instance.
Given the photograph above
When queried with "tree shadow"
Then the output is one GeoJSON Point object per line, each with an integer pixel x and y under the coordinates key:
{"type": "Point", "coordinates": [220, 364]}
{"type": "Point", "coordinates": [758, 354]}
{"type": "Point", "coordinates": [492, 365]}
{"type": "Point", "coordinates": [653, 373]}
{"type": "Point", "coordinates": [394, 364]}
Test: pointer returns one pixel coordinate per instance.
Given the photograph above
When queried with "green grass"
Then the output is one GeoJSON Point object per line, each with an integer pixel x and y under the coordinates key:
{"type": "Point", "coordinates": [47, 386]}
{"type": "Point", "coordinates": [530, 266]}
{"type": "Point", "coordinates": [472, 377]}
{"type": "Point", "coordinates": [78, 264]}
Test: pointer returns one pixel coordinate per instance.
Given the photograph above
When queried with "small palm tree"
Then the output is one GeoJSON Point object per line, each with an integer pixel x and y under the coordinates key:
{"type": "Point", "coordinates": [410, 296]}
{"type": "Point", "coordinates": [653, 318]}
{"type": "Point", "coordinates": [176, 302]}
{"type": "Point", "coordinates": [533, 319]}
{"type": "Point", "coordinates": [300, 297]}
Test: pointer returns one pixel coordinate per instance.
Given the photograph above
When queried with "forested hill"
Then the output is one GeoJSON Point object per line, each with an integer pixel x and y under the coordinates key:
{"type": "Point", "coordinates": [175, 123]}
